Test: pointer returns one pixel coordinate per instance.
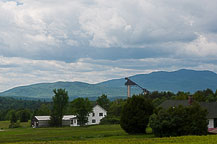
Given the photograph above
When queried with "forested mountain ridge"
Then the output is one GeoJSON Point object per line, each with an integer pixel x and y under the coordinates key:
{"type": "Point", "coordinates": [12, 103]}
{"type": "Point", "coordinates": [181, 80]}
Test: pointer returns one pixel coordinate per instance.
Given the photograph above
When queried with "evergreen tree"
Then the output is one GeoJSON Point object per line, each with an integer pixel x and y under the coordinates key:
{"type": "Point", "coordinates": [135, 114]}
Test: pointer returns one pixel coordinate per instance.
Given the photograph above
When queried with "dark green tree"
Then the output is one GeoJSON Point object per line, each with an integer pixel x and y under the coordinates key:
{"type": "Point", "coordinates": [44, 110]}
{"type": "Point", "coordinates": [135, 114]}
{"type": "Point", "coordinates": [13, 116]}
{"type": "Point", "coordinates": [182, 95]}
{"type": "Point", "coordinates": [24, 115]}
{"type": "Point", "coordinates": [59, 105]}
{"type": "Point", "coordinates": [199, 96]}
{"type": "Point", "coordinates": [178, 121]}
{"type": "Point", "coordinates": [103, 101]}
{"type": "Point", "coordinates": [13, 120]}
{"type": "Point", "coordinates": [116, 107]}
{"type": "Point", "coordinates": [81, 107]}
{"type": "Point", "coordinates": [114, 112]}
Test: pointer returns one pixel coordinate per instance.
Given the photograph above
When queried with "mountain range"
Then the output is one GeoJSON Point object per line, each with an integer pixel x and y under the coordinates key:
{"type": "Point", "coordinates": [181, 80]}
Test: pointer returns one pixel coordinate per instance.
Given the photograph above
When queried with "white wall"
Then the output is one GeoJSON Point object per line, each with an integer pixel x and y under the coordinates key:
{"type": "Point", "coordinates": [66, 122]}
{"type": "Point", "coordinates": [211, 123]}
{"type": "Point", "coordinates": [96, 110]}
{"type": "Point", "coordinates": [74, 122]}
{"type": "Point", "coordinates": [43, 123]}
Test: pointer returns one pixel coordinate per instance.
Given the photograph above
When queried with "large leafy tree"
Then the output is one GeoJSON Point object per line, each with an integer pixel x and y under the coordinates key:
{"type": "Point", "coordinates": [114, 112]}
{"type": "Point", "coordinates": [81, 107]}
{"type": "Point", "coordinates": [103, 101]}
{"type": "Point", "coordinates": [24, 115]}
{"type": "Point", "coordinates": [135, 114]}
{"type": "Point", "coordinates": [177, 121]}
{"type": "Point", "coordinates": [60, 101]}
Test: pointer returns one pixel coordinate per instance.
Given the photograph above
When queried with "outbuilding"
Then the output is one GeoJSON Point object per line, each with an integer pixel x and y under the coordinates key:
{"type": "Point", "coordinates": [40, 121]}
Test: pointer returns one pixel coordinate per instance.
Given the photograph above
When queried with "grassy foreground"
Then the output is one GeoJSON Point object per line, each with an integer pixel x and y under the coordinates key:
{"type": "Point", "coordinates": [89, 135]}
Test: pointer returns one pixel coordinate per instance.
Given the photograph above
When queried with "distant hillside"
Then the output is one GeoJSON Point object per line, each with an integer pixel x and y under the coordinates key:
{"type": "Point", "coordinates": [75, 89]}
{"type": "Point", "coordinates": [11, 103]}
{"type": "Point", "coordinates": [181, 80]}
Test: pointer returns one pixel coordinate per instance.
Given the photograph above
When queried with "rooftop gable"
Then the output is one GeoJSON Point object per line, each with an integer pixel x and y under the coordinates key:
{"type": "Point", "coordinates": [99, 107]}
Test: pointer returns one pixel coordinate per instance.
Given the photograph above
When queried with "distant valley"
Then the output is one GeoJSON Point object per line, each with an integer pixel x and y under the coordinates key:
{"type": "Point", "coordinates": [181, 80]}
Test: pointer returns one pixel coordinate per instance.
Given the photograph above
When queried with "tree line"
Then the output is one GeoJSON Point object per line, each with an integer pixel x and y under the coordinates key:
{"type": "Point", "coordinates": [117, 110]}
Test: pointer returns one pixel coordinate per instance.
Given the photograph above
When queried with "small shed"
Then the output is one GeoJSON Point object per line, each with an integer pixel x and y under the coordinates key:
{"type": "Point", "coordinates": [68, 120]}
{"type": "Point", "coordinates": [40, 121]}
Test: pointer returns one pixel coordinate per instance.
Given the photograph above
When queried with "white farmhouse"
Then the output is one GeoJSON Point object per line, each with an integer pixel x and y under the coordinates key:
{"type": "Point", "coordinates": [96, 116]}
{"type": "Point", "coordinates": [71, 120]}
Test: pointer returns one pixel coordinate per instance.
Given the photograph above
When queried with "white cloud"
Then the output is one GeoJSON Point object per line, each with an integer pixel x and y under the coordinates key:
{"type": "Point", "coordinates": [19, 71]}
{"type": "Point", "coordinates": [201, 47]}
{"type": "Point", "coordinates": [38, 38]}
{"type": "Point", "coordinates": [101, 23]}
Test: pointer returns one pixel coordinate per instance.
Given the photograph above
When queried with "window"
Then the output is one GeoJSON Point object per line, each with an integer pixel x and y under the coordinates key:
{"type": "Point", "coordinates": [100, 114]}
{"type": "Point", "coordinates": [93, 114]}
{"type": "Point", "coordinates": [215, 123]}
{"type": "Point", "coordinates": [93, 121]}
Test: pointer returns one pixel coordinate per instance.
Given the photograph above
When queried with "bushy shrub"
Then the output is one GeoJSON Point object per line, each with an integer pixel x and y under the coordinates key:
{"type": "Point", "coordinates": [14, 125]}
{"type": "Point", "coordinates": [110, 120]}
{"type": "Point", "coordinates": [135, 114]}
{"type": "Point", "coordinates": [177, 121]}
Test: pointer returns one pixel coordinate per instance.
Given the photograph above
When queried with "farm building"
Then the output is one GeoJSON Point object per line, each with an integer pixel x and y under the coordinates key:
{"type": "Point", "coordinates": [70, 120]}
{"type": "Point", "coordinates": [211, 107]}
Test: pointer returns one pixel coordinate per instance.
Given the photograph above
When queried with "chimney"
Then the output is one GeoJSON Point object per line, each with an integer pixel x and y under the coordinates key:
{"type": "Point", "coordinates": [190, 99]}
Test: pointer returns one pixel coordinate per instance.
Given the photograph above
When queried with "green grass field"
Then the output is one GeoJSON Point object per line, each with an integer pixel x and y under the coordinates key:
{"type": "Point", "coordinates": [90, 135]}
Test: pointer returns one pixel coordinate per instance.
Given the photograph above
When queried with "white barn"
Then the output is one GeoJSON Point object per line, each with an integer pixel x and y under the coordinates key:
{"type": "Point", "coordinates": [70, 120]}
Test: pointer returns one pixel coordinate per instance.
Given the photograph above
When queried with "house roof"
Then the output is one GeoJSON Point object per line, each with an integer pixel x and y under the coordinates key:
{"type": "Point", "coordinates": [42, 117]}
{"type": "Point", "coordinates": [68, 117]}
{"type": "Point", "coordinates": [65, 117]}
{"type": "Point", "coordinates": [211, 107]}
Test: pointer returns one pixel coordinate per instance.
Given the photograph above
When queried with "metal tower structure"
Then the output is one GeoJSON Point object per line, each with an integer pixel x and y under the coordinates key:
{"type": "Point", "coordinates": [130, 83]}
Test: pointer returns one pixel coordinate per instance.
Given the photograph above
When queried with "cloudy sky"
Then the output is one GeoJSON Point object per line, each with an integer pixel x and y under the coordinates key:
{"type": "Point", "coordinates": [97, 40]}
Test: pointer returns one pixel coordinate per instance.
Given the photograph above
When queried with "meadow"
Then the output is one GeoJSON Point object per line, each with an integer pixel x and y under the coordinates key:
{"type": "Point", "coordinates": [89, 135]}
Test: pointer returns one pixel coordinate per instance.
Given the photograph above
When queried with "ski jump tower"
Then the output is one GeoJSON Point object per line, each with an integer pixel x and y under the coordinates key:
{"type": "Point", "coordinates": [130, 83]}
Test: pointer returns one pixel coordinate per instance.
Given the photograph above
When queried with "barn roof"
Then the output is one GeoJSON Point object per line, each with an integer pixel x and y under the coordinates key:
{"type": "Point", "coordinates": [42, 117]}
{"type": "Point", "coordinates": [65, 117]}
{"type": "Point", "coordinates": [211, 107]}
{"type": "Point", "coordinates": [68, 117]}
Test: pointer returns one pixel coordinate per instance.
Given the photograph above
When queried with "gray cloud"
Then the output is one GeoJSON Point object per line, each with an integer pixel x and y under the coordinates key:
{"type": "Point", "coordinates": [49, 40]}
{"type": "Point", "coordinates": [39, 27]}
